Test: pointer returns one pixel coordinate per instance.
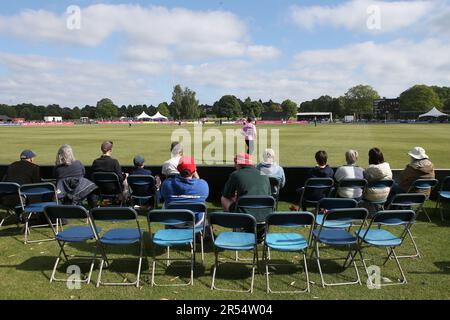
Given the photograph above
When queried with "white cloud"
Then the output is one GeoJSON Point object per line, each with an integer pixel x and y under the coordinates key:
{"type": "Point", "coordinates": [353, 15]}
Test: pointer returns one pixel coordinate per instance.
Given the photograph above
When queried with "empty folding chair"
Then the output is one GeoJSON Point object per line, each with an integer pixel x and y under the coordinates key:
{"type": "Point", "coordinates": [409, 201]}
{"type": "Point", "coordinates": [381, 237]}
{"type": "Point", "coordinates": [109, 186]}
{"type": "Point", "coordinates": [200, 210]}
{"type": "Point", "coordinates": [34, 198]}
{"type": "Point", "coordinates": [424, 186]}
{"type": "Point", "coordinates": [381, 184]}
{"type": "Point", "coordinates": [142, 190]}
{"type": "Point", "coordinates": [275, 187]}
{"type": "Point", "coordinates": [340, 238]}
{"type": "Point", "coordinates": [287, 241]}
{"type": "Point", "coordinates": [327, 204]}
{"type": "Point", "coordinates": [314, 190]}
{"type": "Point", "coordinates": [9, 199]}
{"type": "Point", "coordinates": [357, 186]}
{"type": "Point", "coordinates": [443, 196]}
{"type": "Point", "coordinates": [117, 236]}
{"type": "Point", "coordinates": [235, 241]}
{"type": "Point", "coordinates": [74, 234]}
{"type": "Point", "coordinates": [173, 237]}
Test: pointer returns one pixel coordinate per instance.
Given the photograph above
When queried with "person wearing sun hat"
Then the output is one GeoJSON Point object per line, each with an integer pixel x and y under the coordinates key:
{"type": "Point", "coordinates": [420, 167]}
{"type": "Point", "coordinates": [185, 187]}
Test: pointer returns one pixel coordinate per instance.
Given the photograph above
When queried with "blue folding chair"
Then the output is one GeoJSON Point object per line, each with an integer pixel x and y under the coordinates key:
{"type": "Point", "coordinates": [424, 186]}
{"type": "Point", "coordinates": [409, 201]}
{"type": "Point", "coordinates": [314, 190]}
{"type": "Point", "coordinates": [109, 186]}
{"type": "Point", "coordinates": [327, 204]}
{"type": "Point", "coordinates": [116, 237]}
{"type": "Point", "coordinates": [234, 241]}
{"type": "Point", "coordinates": [287, 241]}
{"type": "Point", "coordinates": [381, 237]}
{"type": "Point", "coordinates": [200, 210]}
{"type": "Point", "coordinates": [142, 190]}
{"type": "Point", "coordinates": [172, 237]}
{"type": "Point", "coordinates": [443, 196]}
{"type": "Point", "coordinates": [33, 199]}
{"type": "Point", "coordinates": [381, 184]}
{"type": "Point", "coordinates": [353, 184]}
{"type": "Point", "coordinates": [9, 193]}
{"type": "Point", "coordinates": [74, 234]}
{"type": "Point", "coordinates": [340, 238]}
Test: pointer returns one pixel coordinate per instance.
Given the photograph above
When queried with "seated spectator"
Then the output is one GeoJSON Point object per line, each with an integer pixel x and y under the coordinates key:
{"type": "Point", "coordinates": [169, 167]}
{"type": "Point", "coordinates": [270, 168]}
{"type": "Point", "coordinates": [378, 170]}
{"type": "Point", "coordinates": [246, 180]}
{"type": "Point", "coordinates": [24, 171]}
{"type": "Point", "coordinates": [349, 171]}
{"type": "Point", "coordinates": [72, 186]}
{"type": "Point", "coordinates": [322, 170]}
{"type": "Point", "coordinates": [106, 163]}
{"type": "Point", "coordinates": [420, 167]}
{"type": "Point", "coordinates": [185, 187]}
{"type": "Point", "coordinates": [138, 162]}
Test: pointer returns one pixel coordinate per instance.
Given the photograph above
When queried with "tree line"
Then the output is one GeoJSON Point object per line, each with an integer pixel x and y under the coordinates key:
{"type": "Point", "coordinates": [357, 100]}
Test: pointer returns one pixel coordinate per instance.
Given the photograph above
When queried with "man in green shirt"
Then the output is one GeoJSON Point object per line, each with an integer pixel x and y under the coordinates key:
{"type": "Point", "coordinates": [246, 180]}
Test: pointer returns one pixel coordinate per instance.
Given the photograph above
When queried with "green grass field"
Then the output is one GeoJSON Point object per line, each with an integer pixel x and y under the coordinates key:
{"type": "Point", "coordinates": [25, 269]}
{"type": "Point", "coordinates": [297, 143]}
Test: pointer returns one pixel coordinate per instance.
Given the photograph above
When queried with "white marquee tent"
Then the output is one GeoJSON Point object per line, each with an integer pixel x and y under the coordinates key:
{"type": "Point", "coordinates": [159, 117]}
{"type": "Point", "coordinates": [435, 113]}
{"type": "Point", "coordinates": [143, 115]}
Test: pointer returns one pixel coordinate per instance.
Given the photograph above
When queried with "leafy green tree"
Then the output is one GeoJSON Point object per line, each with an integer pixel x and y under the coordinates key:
{"type": "Point", "coordinates": [442, 92]}
{"type": "Point", "coordinates": [189, 105]}
{"type": "Point", "coordinates": [163, 108]}
{"type": "Point", "coordinates": [359, 99]}
{"type": "Point", "coordinates": [76, 113]}
{"type": "Point", "coordinates": [251, 108]}
{"type": "Point", "coordinates": [289, 107]}
{"type": "Point", "coordinates": [228, 106]}
{"type": "Point", "coordinates": [420, 98]}
{"type": "Point", "coordinates": [106, 109]}
{"type": "Point", "coordinates": [53, 110]}
{"type": "Point", "coordinates": [26, 113]}
{"type": "Point", "coordinates": [175, 106]}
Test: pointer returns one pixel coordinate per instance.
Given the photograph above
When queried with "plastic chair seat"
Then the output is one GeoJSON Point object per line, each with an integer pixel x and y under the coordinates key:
{"type": "Point", "coordinates": [336, 237]}
{"type": "Point", "coordinates": [38, 207]}
{"type": "Point", "coordinates": [76, 234]}
{"type": "Point", "coordinates": [379, 237]}
{"type": "Point", "coordinates": [235, 241]}
{"type": "Point", "coordinates": [444, 194]}
{"type": "Point", "coordinates": [332, 223]}
{"type": "Point", "coordinates": [286, 241]}
{"type": "Point", "coordinates": [121, 236]}
{"type": "Point", "coordinates": [173, 237]}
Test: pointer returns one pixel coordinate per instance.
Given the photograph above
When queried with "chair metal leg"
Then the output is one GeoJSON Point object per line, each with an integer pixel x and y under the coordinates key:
{"type": "Point", "coordinates": [416, 249]}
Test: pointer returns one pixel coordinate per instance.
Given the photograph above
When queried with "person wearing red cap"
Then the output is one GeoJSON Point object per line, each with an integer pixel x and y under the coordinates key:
{"type": "Point", "coordinates": [185, 187]}
{"type": "Point", "coordinates": [246, 180]}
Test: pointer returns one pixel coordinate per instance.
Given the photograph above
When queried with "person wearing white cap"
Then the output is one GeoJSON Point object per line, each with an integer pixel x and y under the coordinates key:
{"type": "Point", "coordinates": [420, 167]}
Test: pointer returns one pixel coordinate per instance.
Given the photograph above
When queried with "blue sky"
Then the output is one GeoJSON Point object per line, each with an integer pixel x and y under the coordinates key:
{"type": "Point", "coordinates": [135, 52]}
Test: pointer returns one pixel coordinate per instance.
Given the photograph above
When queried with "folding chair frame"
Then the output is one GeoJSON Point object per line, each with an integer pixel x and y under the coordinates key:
{"type": "Point", "coordinates": [150, 197]}
{"type": "Point", "coordinates": [311, 203]}
{"type": "Point", "coordinates": [168, 259]}
{"type": "Point", "coordinates": [102, 196]}
{"type": "Point", "coordinates": [266, 257]}
{"type": "Point", "coordinates": [439, 203]}
{"type": "Point", "coordinates": [430, 188]}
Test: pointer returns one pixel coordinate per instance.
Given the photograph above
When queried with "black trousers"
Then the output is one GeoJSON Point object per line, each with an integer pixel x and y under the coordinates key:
{"type": "Point", "coordinates": [250, 146]}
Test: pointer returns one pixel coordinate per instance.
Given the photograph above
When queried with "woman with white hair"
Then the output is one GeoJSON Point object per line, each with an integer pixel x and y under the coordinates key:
{"type": "Point", "coordinates": [270, 168]}
{"type": "Point", "coordinates": [66, 166]}
{"type": "Point", "coordinates": [349, 171]}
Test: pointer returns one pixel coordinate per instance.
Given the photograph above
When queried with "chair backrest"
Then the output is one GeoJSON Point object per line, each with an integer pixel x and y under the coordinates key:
{"type": "Point", "coordinates": [381, 184]}
{"type": "Point", "coordinates": [394, 217]}
{"type": "Point", "coordinates": [66, 212]}
{"type": "Point", "coordinates": [336, 203]}
{"type": "Point", "coordinates": [38, 192]}
{"type": "Point", "coordinates": [352, 183]}
{"type": "Point", "coordinates": [142, 185]}
{"type": "Point", "coordinates": [425, 184]}
{"type": "Point", "coordinates": [8, 188]}
{"type": "Point", "coordinates": [113, 213]}
{"type": "Point", "coordinates": [445, 185]}
{"type": "Point", "coordinates": [275, 184]}
{"type": "Point", "coordinates": [316, 189]}
{"type": "Point", "coordinates": [233, 220]}
{"type": "Point", "coordinates": [290, 219]}
{"type": "Point", "coordinates": [346, 215]}
{"type": "Point", "coordinates": [319, 183]}
{"type": "Point", "coordinates": [257, 206]}
{"type": "Point", "coordinates": [407, 200]}
{"type": "Point", "coordinates": [108, 182]}
{"type": "Point", "coordinates": [171, 217]}
{"type": "Point", "coordinates": [192, 206]}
